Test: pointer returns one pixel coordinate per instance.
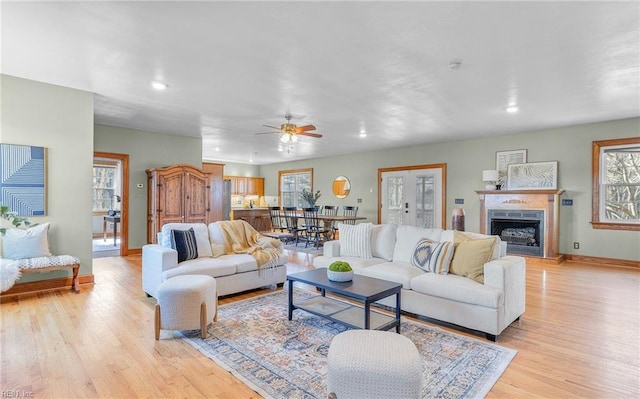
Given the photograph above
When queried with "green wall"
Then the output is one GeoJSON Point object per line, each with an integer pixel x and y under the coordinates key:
{"type": "Point", "coordinates": [146, 150]}
{"type": "Point", "coordinates": [60, 119]}
{"type": "Point", "coordinates": [570, 146]}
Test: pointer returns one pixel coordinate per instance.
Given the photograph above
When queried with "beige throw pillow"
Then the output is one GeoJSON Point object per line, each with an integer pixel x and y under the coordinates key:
{"type": "Point", "coordinates": [470, 256]}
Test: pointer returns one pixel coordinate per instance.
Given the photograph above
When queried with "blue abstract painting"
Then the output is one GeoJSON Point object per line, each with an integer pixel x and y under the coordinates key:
{"type": "Point", "coordinates": [23, 179]}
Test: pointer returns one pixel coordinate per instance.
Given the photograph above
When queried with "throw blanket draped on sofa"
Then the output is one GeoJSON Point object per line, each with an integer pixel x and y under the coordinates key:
{"type": "Point", "coordinates": [241, 238]}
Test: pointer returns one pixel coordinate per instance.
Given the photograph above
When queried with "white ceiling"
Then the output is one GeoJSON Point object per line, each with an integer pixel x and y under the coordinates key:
{"type": "Point", "coordinates": [381, 67]}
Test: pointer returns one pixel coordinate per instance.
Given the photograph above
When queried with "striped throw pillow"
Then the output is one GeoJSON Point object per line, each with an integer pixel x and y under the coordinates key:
{"type": "Point", "coordinates": [432, 256]}
{"type": "Point", "coordinates": [184, 241]}
{"type": "Point", "coordinates": [355, 240]}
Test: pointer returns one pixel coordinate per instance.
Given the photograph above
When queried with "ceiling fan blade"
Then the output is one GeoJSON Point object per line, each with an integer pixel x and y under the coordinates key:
{"type": "Point", "coordinates": [272, 127]}
{"type": "Point", "coordinates": [268, 133]}
{"type": "Point", "coordinates": [305, 128]}
{"type": "Point", "coordinates": [316, 135]}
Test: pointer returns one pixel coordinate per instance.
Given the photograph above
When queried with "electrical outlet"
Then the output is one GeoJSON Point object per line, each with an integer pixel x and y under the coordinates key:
{"type": "Point", "coordinates": [576, 245]}
{"type": "Point", "coordinates": [567, 202]}
{"type": "Point", "coordinates": [458, 201]}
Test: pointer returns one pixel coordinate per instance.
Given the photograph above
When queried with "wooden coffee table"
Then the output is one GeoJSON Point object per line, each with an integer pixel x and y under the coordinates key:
{"type": "Point", "coordinates": [361, 288]}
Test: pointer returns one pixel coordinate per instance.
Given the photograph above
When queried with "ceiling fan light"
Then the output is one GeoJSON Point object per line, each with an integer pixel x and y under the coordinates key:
{"type": "Point", "coordinates": [289, 138]}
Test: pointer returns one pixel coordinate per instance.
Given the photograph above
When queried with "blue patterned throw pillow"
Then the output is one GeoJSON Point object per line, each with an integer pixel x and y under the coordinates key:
{"type": "Point", "coordinates": [432, 256]}
{"type": "Point", "coordinates": [184, 241]}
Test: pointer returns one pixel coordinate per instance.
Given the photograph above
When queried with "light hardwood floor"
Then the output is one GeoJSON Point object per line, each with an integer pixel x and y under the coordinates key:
{"type": "Point", "coordinates": [579, 338]}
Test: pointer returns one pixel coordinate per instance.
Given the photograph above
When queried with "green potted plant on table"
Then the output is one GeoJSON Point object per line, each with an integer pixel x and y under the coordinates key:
{"type": "Point", "coordinates": [309, 197]}
{"type": "Point", "coordinates": [340, 272]}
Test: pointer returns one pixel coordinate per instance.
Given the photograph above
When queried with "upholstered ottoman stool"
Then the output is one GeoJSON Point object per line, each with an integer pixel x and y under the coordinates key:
{"type": "Point", "coordinates": [186, 303]}
{"type": "Point", "coordinates": [373, 364]}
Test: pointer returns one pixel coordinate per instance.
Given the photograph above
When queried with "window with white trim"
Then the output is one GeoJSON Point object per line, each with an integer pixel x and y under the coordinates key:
{"type": "Point", "coordinates": [105, 176]}
{"type": "Point", "coordinates": [291, 183]}
{"type": "Point", "coordinates": [616, 191]}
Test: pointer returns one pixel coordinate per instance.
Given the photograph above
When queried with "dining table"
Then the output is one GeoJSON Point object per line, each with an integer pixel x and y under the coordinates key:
{"type": "Point", "coordinates": [328, 221]}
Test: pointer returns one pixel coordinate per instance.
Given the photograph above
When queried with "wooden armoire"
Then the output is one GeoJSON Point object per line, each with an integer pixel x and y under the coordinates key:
{"type": "Point", "coordinates": [176, 194]}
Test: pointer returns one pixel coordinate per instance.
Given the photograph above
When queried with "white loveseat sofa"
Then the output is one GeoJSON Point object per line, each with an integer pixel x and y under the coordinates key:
{"type": "Point", "coordinates": [489, 307]}
{"type": "Point", "coordinates": [234, 272]}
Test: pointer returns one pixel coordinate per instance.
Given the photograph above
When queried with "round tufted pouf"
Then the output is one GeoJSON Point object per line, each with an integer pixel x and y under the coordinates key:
{"type": "Point", "coordinates": [186, 303]}
{"type": "Point", "coordinates": [373, 364]}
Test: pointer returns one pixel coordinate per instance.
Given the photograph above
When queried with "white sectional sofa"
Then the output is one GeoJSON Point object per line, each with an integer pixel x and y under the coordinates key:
{"type": "Point", "coordinates": [489, 306]}
{"type": "Point", "coordinates": [234, 272]}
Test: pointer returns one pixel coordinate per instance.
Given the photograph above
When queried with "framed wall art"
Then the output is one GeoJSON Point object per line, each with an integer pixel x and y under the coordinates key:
{"type": "Point", "coordinates": [506, 158]}
{"type": "Point", "coordinates": [533, 176]}
{"type": "Point", "coordinates": [23, 178]}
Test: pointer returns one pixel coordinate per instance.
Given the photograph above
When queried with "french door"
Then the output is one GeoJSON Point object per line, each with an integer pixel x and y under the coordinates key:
{"type": "Point", "coordinates": [413, 195]}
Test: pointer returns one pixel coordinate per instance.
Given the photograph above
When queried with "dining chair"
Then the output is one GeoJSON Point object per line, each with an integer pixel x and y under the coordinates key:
{"type": "Point", "coordinates": [330, 210]}
{"type": "Point", "coordinates": [314, 227]}
{"type": "Point", "coordinates": [351, 212]}
{"type": "Point", "coordinates": [277, 222]}
{"type": "Point", "coordinates": [291, 221]}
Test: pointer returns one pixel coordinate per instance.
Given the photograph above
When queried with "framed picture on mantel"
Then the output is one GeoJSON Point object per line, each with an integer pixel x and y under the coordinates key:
{"type": "Point", "coordinates": [503, 160]}
{"type": "Point", "coordinates": [533, 176]}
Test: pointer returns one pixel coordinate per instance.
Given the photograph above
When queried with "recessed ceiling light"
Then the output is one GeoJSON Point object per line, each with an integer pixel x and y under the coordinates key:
{"type": "Point", "coordinates": [158, 85]}
{"type": "Point", "coordinates": [363, 133]}
{"type": "Point", "coordinates": [512, 109]}
{"type": "Point", "coordinates": [454, 65]}
{"type": "Point", "coordinates": [217, 149]}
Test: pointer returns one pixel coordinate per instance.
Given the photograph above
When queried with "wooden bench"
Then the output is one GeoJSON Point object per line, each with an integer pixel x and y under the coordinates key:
{"type": "Point", "coordinates": [46, 264]}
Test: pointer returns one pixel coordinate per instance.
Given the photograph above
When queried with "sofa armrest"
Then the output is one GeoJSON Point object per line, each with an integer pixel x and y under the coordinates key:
{"type": "Point", "coordinates": [331, 249]}
{"type": "Point", "coordinates": [510, 275]}
{"type": "Point", "coordinates": [155, 260]}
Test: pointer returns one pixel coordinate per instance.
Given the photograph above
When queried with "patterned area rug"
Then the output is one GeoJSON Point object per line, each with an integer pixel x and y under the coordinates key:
{"type": "Point", "coordinates": [287, 359]}
{"type": "Point", "coordinates": [310, 249]}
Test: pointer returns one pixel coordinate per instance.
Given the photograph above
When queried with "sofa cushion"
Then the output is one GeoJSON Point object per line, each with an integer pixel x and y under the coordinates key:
{"type": "Point", "coordinates": [406, 239]}
{"type": "Point", "coordinates": [498, 251]}
{"type": "Point", "coordinates": [26, 243]}
{"type": "Point", "coordinates": [184, 242]}
{"type": "Point", "coordinates": [383, 240]}
{"type": "Point", "coordinates": [432, 256]}
{"type": "Point", "coordinates": [357, 264]}
{"type": "Point", "coordinates": [458, 289]}
{"type": "Point", "coordinates": [213, 267]}
{"type": "Point", "coordinates": [216, 239]}
{"type": "Point", "coordinates": [398, 272]}
{"type": "Point", "coordinates": [355, 240]}
{"type": "Point", "coordinates": [470, 256]}
{"type": "Point", "coordinates": [200, 229]}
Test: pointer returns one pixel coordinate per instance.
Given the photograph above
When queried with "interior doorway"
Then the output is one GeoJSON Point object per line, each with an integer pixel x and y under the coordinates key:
{"type": "Point", "coordinates": [110, 204]}
{"type": "Point", "coordinates": [413, 195]}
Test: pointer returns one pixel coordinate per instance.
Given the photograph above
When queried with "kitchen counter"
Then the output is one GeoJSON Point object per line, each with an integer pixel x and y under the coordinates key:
{"type": "Point", "coordinates": [256, 217]}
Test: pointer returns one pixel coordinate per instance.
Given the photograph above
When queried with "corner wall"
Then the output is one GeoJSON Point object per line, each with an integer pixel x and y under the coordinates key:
{"type": "Point", "coordinates": [146, 150]}
{"type": "Point", "coordinates": [60, 119]}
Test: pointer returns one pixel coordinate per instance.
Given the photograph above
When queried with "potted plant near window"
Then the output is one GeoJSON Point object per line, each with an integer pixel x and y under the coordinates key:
{"type": "Point", "coordinates": [309, 197]}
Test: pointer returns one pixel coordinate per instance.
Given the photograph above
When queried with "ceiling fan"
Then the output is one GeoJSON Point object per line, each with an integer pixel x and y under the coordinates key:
{"type": "Point", "coordinates": [290, 131]}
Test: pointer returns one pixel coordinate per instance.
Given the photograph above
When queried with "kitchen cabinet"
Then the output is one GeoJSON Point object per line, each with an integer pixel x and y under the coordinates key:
{"type": "Point", "coordinates": [242, 185]}
{"type": "Point", "coordinates": [176, 194]}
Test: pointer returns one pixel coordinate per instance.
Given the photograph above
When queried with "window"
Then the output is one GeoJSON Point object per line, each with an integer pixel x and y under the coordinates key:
{"type": "Point", "coordinates": [616, 184]}
{"type": "Point", "coordinates": [104, 187]}
{"type": "Point", "coordinates": [290, 185]}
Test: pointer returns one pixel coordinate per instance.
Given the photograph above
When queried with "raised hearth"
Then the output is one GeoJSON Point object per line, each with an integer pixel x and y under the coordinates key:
{"type": "Point", "coordinates": [526, 219]}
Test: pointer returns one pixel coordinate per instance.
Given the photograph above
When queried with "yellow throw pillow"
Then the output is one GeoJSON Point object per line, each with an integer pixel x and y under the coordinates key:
{"type": "Point", "coordinates": [470, 256]}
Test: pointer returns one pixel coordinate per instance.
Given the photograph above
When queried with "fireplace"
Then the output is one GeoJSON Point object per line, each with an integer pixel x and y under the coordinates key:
{"type": "Point", "coordinates": [526, 219]}
{"type": "Point", "coordinates": [523, 231]}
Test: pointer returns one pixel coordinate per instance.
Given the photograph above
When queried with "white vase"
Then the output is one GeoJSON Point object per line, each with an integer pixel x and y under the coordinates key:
{"type": "Point", "coordinates": [339, 277]}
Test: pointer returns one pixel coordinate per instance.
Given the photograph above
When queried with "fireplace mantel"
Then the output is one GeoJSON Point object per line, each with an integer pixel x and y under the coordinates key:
{"type": "Point", "coordinates": [545, 200]}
